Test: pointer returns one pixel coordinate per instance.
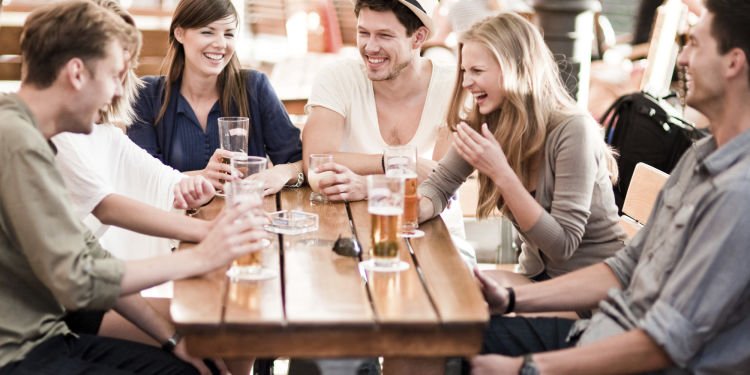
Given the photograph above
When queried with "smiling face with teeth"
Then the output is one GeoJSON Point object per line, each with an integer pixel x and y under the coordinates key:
{"type": "Point", "coordinates": [482, 76]}
{"type": "Point", "coordinates": [208, 49]}
{"type": "Point", "coordinates": [704, 64]}
{"type": "Point", "coordinates": [383, 44]}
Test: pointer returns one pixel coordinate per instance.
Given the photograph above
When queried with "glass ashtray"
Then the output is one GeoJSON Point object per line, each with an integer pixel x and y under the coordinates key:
{"type": "Point", "coordinates": [292, 222]}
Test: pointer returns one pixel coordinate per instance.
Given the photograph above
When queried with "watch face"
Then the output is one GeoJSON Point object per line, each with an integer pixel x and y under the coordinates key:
{"type": "Point", "coordinates": [528, 367]}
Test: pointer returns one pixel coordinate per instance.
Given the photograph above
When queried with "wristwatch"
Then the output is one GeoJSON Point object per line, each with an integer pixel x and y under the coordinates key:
{"type": "Point", "coordinates": [171, 343]}
{"type": "Point", "coordinates": [528, 367]}
{"type": "Point", "coordinates": [298, 183]}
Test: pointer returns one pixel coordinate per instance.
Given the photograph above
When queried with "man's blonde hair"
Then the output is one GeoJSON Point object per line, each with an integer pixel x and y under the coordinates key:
{"type": "Point", "coordinates": [121, 110]}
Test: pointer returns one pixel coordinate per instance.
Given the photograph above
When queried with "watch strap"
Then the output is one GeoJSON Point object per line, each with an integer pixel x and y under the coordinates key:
{"type": "Point", "coordinates": [528, 366]}
{"type": "Point", "coordinates": [171, 343]}
{"type": "Point", "coordinates": [299, 182]}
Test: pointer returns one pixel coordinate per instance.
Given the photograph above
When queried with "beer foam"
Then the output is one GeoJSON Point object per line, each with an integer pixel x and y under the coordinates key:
{"type": "Point", "coordinates": [237, 131]}
{"type": "Point", "coordinates": [404, 173]}
{"type": "Point", "coordinates": [385, 211]}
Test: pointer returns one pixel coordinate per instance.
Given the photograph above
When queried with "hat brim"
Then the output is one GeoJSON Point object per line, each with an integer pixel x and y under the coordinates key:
{"type": "Point", "coordinates": [424, 17]}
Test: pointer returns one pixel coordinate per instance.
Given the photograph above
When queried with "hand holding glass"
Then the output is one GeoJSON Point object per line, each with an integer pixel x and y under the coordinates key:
{"type": "Point", "coordinates": [313, 177]}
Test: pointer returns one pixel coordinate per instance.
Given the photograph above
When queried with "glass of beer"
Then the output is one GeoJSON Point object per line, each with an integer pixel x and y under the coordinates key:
{"type": "Point", "coordinates": [249, 266]}
{"type": "Point", "coordinates": [233, 135]}
{"type": "Point", "coordinates": [385, 204]}
{"type": "Point", "coordinates": [313, 177]}
{"type": "Point", "coordinates": [401, 161]}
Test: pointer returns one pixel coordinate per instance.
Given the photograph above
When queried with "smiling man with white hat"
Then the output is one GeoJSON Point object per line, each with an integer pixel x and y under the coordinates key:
{"type": "Point", "coordinates": [391, 96]}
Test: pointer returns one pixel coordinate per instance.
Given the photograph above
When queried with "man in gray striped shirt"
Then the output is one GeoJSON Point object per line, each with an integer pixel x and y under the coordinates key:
{"type": "Point", "coordinates": [677, 298]}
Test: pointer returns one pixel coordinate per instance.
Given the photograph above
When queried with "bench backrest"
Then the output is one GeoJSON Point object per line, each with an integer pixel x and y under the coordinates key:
{"type": "Point", "coordinates": [644, 187]}
{"type": "Point", "coordinates": [155, 45]}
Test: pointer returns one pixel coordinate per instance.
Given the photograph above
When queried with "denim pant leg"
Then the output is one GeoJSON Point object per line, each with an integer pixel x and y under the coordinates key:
{"type": "Point", "coordinates": [519, 335]}
{"type": "Point", "coordinates": [67, 354]}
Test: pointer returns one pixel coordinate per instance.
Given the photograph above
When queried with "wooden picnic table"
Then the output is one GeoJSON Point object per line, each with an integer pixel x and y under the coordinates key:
{"type": "Point", "coordinates": [322, 306]}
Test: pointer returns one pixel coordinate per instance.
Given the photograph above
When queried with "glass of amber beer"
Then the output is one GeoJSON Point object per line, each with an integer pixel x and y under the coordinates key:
{"type": "Point", "coordinates": [385, 204]}
{"type": "Point", "coordinates": [401, 161]}
{"type": "Point", "coordinates": [233, 136]}
{"type": "Point", "coordinates": [249, 266]}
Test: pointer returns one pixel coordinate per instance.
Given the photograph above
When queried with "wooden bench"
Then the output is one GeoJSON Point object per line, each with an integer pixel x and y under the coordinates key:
{"type": "Point", "coordinates": [155, 45]}
{"type": "Point", "coordinates": [644, 187]}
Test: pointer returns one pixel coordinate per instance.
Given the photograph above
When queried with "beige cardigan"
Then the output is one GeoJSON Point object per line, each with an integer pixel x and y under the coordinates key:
{"type": "Point", "coordinates": [579, 225]}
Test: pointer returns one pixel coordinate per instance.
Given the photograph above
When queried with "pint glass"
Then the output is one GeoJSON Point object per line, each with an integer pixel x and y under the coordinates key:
{"type": "Point", "coordinates": [385, 205]}
{"type": "Point", "coordinates": [401, 161]}
{"type": "Point", "coordinates": [249, 266]}
{"type": "Point", "coordinates": [313, 177]}
{"type": "Point", "coordinates": [233, 135]}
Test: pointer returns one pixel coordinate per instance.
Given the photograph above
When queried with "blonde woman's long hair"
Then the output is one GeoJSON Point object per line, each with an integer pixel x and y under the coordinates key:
{"type": "Point", "coordinates": [121, 109]}
{"type": "Point", "coordinates": [532, 90]}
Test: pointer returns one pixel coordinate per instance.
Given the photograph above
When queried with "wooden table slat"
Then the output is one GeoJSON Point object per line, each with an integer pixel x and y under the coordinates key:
{"type": "Point", "coordinates": [398, 297]}
{"type": "Point", "coordinates": [450, 283]}
{"type": "Point", "coordinates": [240, 302]}
{"type": "Point", "coordinates": [322, 287]}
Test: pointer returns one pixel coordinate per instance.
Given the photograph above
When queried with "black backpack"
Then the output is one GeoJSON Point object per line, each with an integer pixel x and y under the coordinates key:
{"type": "Point", "coordinates": [641, 128]}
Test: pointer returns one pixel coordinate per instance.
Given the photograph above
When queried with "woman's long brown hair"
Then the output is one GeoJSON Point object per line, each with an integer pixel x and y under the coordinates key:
{"type": "Point", "coordinates": [191, 14]}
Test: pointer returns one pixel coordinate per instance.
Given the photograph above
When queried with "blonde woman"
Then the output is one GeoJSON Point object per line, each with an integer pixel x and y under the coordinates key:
{"type": "Point", "coordinates": [541, 161]}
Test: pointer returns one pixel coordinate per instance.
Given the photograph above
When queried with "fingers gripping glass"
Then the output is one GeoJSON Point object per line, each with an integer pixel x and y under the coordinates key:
{"type": "Point", "coordinates": [250, 266]}
{"type": "Point", "coordinates": [313, 176]}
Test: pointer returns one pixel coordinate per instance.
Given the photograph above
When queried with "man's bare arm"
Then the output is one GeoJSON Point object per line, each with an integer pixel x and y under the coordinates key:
{"type": "Point", "coordinates": [323, 133]}
{"type": "Point", "coordinates": [576, 291]}
{"type": "Point", "coordinates": [628, 353]}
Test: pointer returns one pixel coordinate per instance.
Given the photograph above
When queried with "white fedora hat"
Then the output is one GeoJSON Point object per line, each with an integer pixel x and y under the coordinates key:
{"type": "Point", "coordinates": [422, 9]}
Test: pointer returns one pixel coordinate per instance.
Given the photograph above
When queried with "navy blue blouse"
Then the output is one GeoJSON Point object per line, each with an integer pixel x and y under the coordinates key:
{"type": "Point", "coordinates": [180, 142]}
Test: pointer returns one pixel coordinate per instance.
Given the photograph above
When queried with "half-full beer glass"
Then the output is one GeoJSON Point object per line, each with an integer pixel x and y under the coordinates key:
{"type": "Point", "coordinates": [233, 135]}
{"type": "Point", "coordinates": [385, 205]}
{"type": "Point", "coordinates": [401, 161]}
{"type": "Point", "coordinates": [313, 177]}
{"type": "Point", "coordinates": [249, 266]}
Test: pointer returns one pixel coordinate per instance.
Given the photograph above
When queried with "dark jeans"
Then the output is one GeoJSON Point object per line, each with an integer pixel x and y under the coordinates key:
{"type": "Point", "coordinates": [518, 336]}
{"type": "Point", "coordinates": [87, 354]}
{"type": "Point", "coordinates": [84, 321]}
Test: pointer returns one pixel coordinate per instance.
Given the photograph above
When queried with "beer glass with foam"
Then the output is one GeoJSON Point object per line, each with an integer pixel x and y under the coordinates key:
{"type": "Point", "coordinates": [385, 204]}
{"type": "Point", "coordinates": [401, 161]}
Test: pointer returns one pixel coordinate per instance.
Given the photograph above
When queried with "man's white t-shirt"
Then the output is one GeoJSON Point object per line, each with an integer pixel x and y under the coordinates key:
{"type": "Point", "coordinates": [344, 88]}
{"type": "Point", "coordinates": [106, 162]}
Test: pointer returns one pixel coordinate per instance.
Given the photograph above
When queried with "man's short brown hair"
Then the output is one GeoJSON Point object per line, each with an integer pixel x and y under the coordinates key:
{"type": "Point", "coordinates": [729, 26]}
{"type": "Point", "coordinates": [404, 15]}
{"type": "Point", "coordinates": [56, 33]}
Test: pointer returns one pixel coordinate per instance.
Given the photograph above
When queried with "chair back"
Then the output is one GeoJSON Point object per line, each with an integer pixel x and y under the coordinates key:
{"type": "Point", "coordinates": [644, 187]}
{"type": "Point", "coordinates": [155, 45]}
{"type": "Point", "coordinates": [10, 52]}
